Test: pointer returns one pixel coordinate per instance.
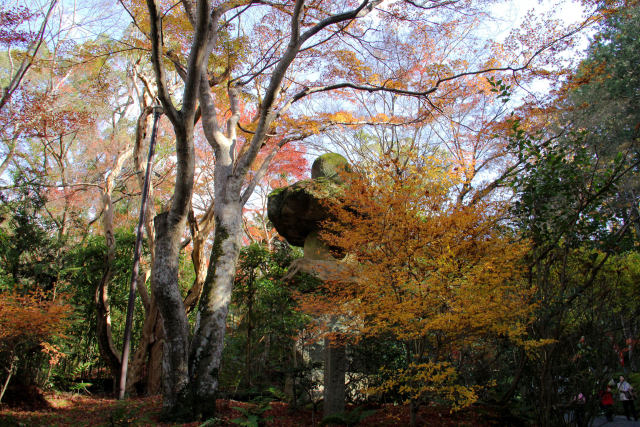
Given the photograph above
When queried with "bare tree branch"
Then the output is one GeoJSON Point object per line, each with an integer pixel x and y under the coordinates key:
{"type": "Point", "coordinates": [158, 66]}
{"type": "Point", "coordinates": [8, 91]}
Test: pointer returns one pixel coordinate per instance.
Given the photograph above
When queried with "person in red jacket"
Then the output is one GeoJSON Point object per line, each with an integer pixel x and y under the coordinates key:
{"type": "Point", "coordinates": [606, 403]}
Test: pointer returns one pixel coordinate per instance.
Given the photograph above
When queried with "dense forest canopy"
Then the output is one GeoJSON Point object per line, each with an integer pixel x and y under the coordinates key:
{"type": "Point", "coordinates": [480, 247]}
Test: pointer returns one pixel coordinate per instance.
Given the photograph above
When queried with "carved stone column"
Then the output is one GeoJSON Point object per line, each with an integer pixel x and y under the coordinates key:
{"type": "Point", "coordinates": [297, 212]}
{"type": "Point", "coordinates": [335, 364]}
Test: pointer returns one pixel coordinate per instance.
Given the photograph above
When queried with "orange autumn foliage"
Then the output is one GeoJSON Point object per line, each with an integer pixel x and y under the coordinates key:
{"type": "Point", "coordinates": [31, 320]}
{"type": "Point", "coordinates": [433, 274]}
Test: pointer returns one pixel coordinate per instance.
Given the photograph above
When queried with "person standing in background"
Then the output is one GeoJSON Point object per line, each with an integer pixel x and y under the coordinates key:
{"type": "Point", "coordinates": [627, 395]}
{"type": "Point", "coordinates": [606, 402]}
{"type": "Point", "coordinates": [579, 404]}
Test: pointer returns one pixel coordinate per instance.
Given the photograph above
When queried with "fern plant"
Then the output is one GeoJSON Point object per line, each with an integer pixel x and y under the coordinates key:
{"type": "Point", "coordinates": [347, 418]}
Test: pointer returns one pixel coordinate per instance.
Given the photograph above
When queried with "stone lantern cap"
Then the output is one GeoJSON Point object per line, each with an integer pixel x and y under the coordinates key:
{"type": "Point", "coordinates": [299, 209]}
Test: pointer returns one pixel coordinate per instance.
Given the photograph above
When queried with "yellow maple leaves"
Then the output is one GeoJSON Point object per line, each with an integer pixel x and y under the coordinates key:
{"type": "Point", "coordinates": [429, 271]}
{"type": "Point", "coordinates": [435, 378]}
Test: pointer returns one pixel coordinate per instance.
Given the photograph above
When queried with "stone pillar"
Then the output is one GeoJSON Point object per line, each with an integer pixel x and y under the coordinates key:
{"type": "Point", "coordinates": [334, 350]}
{"type": "Point", "coordinates": [297, 212]}
{"type": "Point", "coordinates": [334, 377]}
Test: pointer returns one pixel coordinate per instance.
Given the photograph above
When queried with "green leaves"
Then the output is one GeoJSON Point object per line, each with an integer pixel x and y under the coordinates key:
{"type": "Point", "coordinates": [501, 88]}
{"type": "Point", "coordinates": [258, 346]}
{"type": "Point", "coordinates": [563, 189]}
{"type": "Point", "coordinates": [254, 413]}
{"type": "Point", "coordinates": [348, 418]}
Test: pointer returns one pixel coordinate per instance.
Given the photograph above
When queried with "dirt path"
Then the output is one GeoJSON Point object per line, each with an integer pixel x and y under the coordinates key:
{"type": "Point", "coordinates": [618, 421]}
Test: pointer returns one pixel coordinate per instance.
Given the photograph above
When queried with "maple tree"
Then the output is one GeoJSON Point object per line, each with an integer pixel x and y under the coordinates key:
{"type": "Point", "coordinates": [71, 135]}
{"type": "Point", "coordinates": [288, 165]}
{"type": "Point", "coordinates": [102, 133]}
{"type": "Point", "coordinates": [435, 275]}
{"type": "Point", "coordinates": [29, 322]}
{"type": "Point", "coordinates": [38, 41]}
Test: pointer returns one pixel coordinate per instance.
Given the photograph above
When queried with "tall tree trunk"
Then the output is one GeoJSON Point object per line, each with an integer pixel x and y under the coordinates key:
{"type": "Point", "coordinates": [137, 255]}
{"type": "Point", "coordinates": [169, 226]}
{"type": "Point", "coordinates": [106, 346]}
{"type": "Point", "coordinates": [199, 234]}
{"type": "Point", "coordinates": [231, 171]}
{"type": "Point", "coordinates": [146, 367]}
{"type": "Point", "coordinates": [208, 340]}
{"type": "Point", "coordinates": [145, 375]}
{"type": "Point", "coordinates": [164, 281]}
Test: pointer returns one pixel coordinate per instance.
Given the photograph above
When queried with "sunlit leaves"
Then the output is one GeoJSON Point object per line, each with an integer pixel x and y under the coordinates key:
{"type": "Point", "coordinates": [422, 268]}
{"type": "Point", "coordinates": [31, 319]}
{"type": "Point", "coordinates": [436, 380]}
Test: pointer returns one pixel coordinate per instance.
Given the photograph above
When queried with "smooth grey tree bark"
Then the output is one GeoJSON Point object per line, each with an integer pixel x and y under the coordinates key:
{"type": "Point", "coordinates": [108, 351]}
{"type": "Point", "coordinates": [169, 226]}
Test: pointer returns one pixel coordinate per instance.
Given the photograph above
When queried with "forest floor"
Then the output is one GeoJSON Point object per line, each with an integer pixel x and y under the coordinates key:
{"type": "Point", "coordinates": [68, 409]}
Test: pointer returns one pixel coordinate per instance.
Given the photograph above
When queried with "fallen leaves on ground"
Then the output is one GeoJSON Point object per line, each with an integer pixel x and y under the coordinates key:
{"type": "Point", "coordinates": [80, 410]}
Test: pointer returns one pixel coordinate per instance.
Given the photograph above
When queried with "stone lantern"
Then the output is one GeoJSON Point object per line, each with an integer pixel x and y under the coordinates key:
{"type": "Point", "coordinates": [297, 212]}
